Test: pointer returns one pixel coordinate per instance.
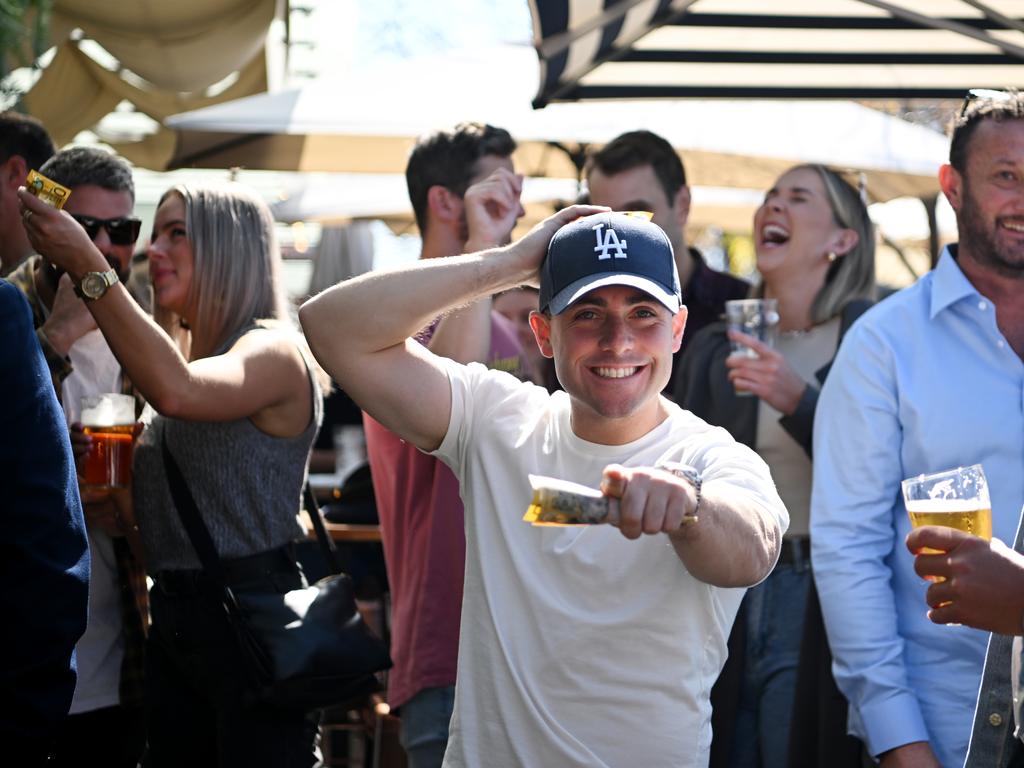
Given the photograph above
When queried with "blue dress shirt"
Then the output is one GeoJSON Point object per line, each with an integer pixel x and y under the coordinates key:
{"type": "Point", "coordinates": [923, 382]}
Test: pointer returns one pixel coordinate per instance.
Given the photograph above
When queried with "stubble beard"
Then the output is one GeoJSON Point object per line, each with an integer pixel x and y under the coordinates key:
{"type": "Point", "coordinates": [983, 242]}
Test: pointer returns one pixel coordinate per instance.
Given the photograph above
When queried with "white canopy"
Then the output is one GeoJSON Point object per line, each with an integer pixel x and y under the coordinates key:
{"type": "Point", "coordinates": [369, 122]}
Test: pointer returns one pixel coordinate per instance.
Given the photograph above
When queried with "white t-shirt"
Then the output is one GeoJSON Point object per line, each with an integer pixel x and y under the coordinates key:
{"type": "Point", "coordinates": [579, 647]}
{"type": "Point", "coordinates": [100, 650]}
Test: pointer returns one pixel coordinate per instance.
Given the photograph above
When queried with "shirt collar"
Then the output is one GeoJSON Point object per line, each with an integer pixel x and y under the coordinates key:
{"type": "Point", "coordinates": [949, 284]}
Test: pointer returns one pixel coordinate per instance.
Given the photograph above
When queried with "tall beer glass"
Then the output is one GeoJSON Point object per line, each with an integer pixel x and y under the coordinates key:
{"type": "Point", "coordinates": [110, 420]}
{"type": "Point", "coordinates": [956, 498]}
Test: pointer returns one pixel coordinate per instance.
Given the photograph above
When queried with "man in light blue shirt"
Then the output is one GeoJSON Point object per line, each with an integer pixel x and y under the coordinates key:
{"type": "Point", "coordinates": [928, 380]}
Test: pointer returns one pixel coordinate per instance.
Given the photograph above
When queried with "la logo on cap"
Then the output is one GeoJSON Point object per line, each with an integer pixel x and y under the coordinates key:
{"type": "Point", "coordinates": [610, 241]}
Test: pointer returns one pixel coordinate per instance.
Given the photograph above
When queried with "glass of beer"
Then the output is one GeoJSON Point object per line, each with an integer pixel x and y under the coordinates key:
{"type": "Point", "coordinates": [754, 317]}
{"type": "Point", "coordinates": [110, 420]}
{"type": "Point", "coordinates": [956, 498]}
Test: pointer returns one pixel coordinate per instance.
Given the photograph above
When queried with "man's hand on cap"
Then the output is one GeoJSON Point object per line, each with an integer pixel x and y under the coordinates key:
{"type": "Point", "coordinates": [532, 248]}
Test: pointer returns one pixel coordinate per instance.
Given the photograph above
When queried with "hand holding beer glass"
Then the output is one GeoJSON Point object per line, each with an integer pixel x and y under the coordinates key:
{"type": "Point", "coordinates": [109, 420]}
{"type": "Point", "coordinates": [957, 498]}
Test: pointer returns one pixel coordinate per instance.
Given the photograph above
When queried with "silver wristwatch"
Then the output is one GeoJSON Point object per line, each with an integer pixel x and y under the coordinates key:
{"type": "Point", "coordinates": [95, 284]}
{"type": "Point", "coordinates": [690, 475]}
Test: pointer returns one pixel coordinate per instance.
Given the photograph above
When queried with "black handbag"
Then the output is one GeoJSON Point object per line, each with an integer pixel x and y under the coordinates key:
{"type": "Point", "coordinates": [304, 649]}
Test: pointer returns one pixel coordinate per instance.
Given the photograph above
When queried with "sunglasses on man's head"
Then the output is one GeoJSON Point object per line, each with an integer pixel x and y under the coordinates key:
{"type": "Point", "coordinates": [983, 94]}
{"type": "Point", "coordinates": [122, 231]}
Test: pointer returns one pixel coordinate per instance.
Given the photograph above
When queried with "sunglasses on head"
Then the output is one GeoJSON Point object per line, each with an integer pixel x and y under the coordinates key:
{"type": "Point", "coordinates": [983, 94]}
{"type": "Point", "coordinates": [122, 231]}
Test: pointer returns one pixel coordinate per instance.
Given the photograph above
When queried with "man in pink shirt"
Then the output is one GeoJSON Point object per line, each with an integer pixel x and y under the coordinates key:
{"type": "Point", "coordinates": [465, 195]}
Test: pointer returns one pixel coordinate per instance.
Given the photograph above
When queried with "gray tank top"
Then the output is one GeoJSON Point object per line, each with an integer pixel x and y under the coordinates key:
{"type": "Point", "coordinates": [246, 483]}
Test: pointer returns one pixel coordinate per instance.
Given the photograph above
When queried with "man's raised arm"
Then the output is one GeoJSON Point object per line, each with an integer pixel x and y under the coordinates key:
{"type": "Point", "coordinates": [360, 329]}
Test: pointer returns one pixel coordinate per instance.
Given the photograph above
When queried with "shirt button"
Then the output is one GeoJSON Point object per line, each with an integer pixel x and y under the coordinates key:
{"type": "Point", "coordinates": [995, 719]}
{"type": "Point", "coordinates": [982, 305]}
{"type": "Point", "coordinates": [1000, 343]}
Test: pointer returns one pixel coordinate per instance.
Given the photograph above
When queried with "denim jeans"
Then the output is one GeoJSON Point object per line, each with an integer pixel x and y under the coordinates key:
{"type": "Point", "coordinates": [424, 730]}
{"type": "Point", "coordinates": [775, 615]}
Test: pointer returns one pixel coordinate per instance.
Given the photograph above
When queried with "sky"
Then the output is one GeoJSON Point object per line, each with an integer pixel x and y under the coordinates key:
{"type": "Point", "coordinates": [361, 34]}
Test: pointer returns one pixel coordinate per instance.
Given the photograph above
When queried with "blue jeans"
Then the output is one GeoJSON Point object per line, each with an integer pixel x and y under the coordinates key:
{"type": "Point", "coordinates": [775, 611]}
{"type": "Point", "coordinates": [424, 729]}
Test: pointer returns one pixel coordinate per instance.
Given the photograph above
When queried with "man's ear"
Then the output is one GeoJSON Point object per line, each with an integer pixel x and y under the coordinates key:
{"type": "Point", "coordinates": [678, 326]}
{"type": "Point", "coordinates": [13, 171]}
{"type": "Point", "coordinates": [681, 203]}
{"type": "Point", "coordinates": [443, 203]}
{"type": "Point", "coordinates": [952, 185]}
{"type": "Point", "coordinates": [541, 326]}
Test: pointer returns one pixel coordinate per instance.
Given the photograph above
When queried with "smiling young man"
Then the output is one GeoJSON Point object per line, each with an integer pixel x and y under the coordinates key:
{"type": "Point", "coordinates": [580, 646]}
{"type": "Point", "coordinates": [928, 380]}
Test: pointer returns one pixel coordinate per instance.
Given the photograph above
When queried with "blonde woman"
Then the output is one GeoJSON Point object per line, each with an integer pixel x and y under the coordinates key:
{"type": "Point", "coordinates": [816, 255]}
{"type": "Point", "coordinates": [238, 403]}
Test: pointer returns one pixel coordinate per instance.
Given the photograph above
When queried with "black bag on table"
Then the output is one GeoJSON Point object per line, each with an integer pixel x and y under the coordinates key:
{"type": "Point", "coordinates": [302, 650]}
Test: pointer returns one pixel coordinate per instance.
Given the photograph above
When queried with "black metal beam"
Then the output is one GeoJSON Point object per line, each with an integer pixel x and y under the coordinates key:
{"type": "Point", "coordinates": [758, 92]}
{"type": "Point", "coordinates": [758, 21]}
{"type": "Point", "coordinates": [815, 57]}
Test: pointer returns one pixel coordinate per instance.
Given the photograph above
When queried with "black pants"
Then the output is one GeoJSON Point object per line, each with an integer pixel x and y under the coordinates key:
{"type": "Point", "coordinates": [112, 736]}
{"type": "Point", "coordinates": [197, 713]}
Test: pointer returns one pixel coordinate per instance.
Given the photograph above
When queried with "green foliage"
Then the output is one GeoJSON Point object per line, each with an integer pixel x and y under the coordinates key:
{"type": "Point", "coordinates": [24, 36]}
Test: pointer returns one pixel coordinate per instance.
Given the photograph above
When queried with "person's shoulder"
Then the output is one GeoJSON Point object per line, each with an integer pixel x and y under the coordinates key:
{"type": "Point", "coordinates": [895, 315]}
{"type": "Point", "coordinates": [481, 376]}
{"type": "Point", "coordinates": [692, 440]}
{"type": "Point", "coordinates": [13, 304]}
{"type": "Point", "coordinates": [710, 336]}
{"type": "Point", "coordinates": [724, 285]}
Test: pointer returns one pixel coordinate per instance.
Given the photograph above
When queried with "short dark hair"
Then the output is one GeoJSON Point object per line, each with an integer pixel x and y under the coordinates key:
{"type": "Point", "coordinates": [78, 166]}
{"type": "Point", "coordinates": [448, 158]}
{"type": "Point", "coordinates": [26, 137]}
{"type": "Point", "coordinates": [636, 148]}
{"type": "Point", "coordinates": [999, 106]}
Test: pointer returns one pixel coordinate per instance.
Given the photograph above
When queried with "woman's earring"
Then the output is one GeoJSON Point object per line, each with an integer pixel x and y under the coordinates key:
{"type": "Point", "coordinates": [831, 256]}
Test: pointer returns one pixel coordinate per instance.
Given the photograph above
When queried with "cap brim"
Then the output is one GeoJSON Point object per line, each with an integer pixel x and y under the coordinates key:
{"type": "Point", "coordinates": [575, 291]}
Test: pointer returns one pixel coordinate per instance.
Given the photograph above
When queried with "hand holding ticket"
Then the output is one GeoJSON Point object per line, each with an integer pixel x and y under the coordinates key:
{"type": "Point", "coordinates": [560, 502]}
{"type": "Point", "coordinates": [47, 190]}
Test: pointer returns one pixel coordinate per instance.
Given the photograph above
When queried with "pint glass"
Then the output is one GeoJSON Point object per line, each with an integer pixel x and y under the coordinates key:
{"type": "Point", "coordinates": [956, 498]}
{"type": "Point", "coordinates": [110, 420]}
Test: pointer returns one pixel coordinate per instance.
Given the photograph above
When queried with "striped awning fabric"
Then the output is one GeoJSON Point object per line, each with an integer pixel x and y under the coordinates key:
{"type": "Point", "coordinates": [837, 49]}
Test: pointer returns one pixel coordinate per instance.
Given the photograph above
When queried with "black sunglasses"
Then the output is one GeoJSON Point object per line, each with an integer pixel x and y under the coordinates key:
{"type": "Point", "coordinates": [122, 231]}
{"type": "Point", "coordinates": [983, 94]}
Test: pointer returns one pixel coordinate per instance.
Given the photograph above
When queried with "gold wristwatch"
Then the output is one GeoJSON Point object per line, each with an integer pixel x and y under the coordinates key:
{"type": "Point", "coordinates": [95, 284]}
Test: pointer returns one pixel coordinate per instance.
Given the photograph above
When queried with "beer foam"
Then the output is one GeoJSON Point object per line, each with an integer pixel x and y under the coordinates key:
{"type": "Point", "coordinates": [946, 506]}
{"type": "Point", "coordinates": [107, 410]}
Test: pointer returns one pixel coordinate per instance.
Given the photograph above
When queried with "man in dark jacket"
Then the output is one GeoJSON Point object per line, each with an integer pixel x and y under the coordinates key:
{"type": "Point", "coordinates": [44, 556]}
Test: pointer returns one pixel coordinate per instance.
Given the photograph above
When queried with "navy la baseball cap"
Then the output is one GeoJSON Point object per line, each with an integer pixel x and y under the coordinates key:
{"type": "Point", "coordinates": [608, 249]}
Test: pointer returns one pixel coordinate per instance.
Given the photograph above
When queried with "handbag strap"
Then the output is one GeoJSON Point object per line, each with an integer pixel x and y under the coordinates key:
{"type": "Point", "coordinates": [199, 534]}
{"type": "Point", "coordinates": [330, 551]}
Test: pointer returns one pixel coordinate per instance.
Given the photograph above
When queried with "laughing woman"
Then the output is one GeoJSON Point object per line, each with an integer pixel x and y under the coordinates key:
{"type": "Point", "coordinates": [815, 253]}
{"type": "Point", "coordinates": [238, 405]}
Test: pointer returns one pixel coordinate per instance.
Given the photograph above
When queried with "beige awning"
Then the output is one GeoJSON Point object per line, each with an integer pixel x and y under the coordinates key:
{"type": "Point", "coordinates": [74, 93]}
{"type": "Point", "coordinates": [176, 45]}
